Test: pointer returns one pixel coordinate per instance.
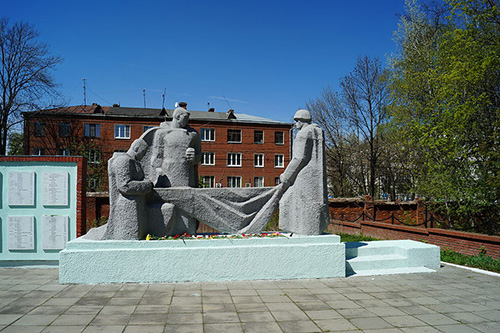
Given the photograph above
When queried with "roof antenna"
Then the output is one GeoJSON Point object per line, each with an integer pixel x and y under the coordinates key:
{"type": "Point", "coordinates": [227, 101]}
{"type": "Point", "coordinates": [84, 91]}
{"type": "Point", "coordinates": [144, 95]}
{"type": "Point", "coordinates": [163, 98]}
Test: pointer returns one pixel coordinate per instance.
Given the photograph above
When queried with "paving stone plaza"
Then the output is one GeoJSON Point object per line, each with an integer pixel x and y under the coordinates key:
{"type": "Point", "coordinates": [451, 300]}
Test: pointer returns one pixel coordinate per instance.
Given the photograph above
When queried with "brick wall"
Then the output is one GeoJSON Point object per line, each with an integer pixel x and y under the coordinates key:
{"type": "Point", "coordinates": [463, 242]}
{"type": "Point", "coordinates": [107, 142]}
{"type": "Point", "coordinates": [366, 209]}
{"type": "Point", "coordinates": [97, 205]}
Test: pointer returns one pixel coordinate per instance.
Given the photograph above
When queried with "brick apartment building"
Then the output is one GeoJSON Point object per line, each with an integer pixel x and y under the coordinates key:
{"type": "Point", "coordinates": [238, 150]}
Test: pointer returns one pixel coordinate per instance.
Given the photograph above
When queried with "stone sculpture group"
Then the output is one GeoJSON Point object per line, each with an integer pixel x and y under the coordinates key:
{"type": "Point", "coordinates": [153, 188]}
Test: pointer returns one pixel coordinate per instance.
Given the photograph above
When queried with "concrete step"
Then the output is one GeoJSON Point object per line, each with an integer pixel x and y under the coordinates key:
{"type": "Point", "coordinates": [384, 261]}
{"type": "Point", "coordinates": [389, 271]}
{"type": "Point", "coordinates": [356, 249]}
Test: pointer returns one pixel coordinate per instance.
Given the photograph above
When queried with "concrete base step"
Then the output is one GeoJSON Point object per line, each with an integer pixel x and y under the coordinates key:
{"type": "Point", "coordinates": [389, 271]}
{"type": "Point", "coordinates": [355, 249]}
{"type": "Point", "coordinates": [374, 262]}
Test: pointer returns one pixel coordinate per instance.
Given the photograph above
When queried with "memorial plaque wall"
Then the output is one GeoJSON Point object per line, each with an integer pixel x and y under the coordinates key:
{"type": "Point", "coordinates": [55, 188]}
{"type": "Point", "coordinates": [41, 207]}
{"type": "Point", "coordinates": [21, 233]}
{"type": "Point", "coordinates": [21, 188]}
{"type": "Point", "coordinates": [55, 232]}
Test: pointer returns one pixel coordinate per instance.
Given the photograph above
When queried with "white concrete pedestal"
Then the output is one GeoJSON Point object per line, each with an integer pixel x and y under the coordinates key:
{"type": "Point", "coordinates": [297, 257]}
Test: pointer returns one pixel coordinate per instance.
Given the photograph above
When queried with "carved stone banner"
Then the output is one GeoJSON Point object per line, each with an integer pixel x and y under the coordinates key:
{"type": "Point", "coordinates": [54, 232]}
{"type": "Point", "coordinates": [55, 188]}
{"type": "Point", "coordinates": [21, 233]}
{"type": "Point", "coordinates": [21, 188]}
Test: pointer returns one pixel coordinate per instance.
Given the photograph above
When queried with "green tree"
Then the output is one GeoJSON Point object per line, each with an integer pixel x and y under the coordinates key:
{"type": "Point", "coordinates": [16, 141]}
{"type": "Point", "coordinates": [445, 87]}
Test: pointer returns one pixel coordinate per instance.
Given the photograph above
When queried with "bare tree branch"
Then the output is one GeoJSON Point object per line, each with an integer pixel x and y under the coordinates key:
{"type": "Point", "coordinates": [25, 74]}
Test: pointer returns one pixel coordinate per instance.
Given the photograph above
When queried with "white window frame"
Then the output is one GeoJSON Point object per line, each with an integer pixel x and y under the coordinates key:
{"type": "Point", "coordinates": [122, 131]}
{"type": "Point", "coordinates": [231, 129]}
{"type": "Point", "coordinates": [234, 180]}
{"type": "Point", "coordinates": [38, 151]}
{"type": "Point", "coordinates": [258, 182]}
{"type": "Point", "coordinates": [93, 181]}
{"type": "Point", "coordinates": [207, 158]}
{"type": "Point", "coordinates": [64, 152]}
{"type": "Point", "coordinates": [146, 128]}
{"type": "Point", "coordinates": [94, 156]}
{"type": "Point", "coordinates": [258, 162]}
{"type": "Point", "coordinates": [208, 180]}
{"type": "Point", "coordinates": [234, 159]}
{"type": "Point", "coordinates": [207, 134]}
{"type": "Point", "coordinates": [279, 161]}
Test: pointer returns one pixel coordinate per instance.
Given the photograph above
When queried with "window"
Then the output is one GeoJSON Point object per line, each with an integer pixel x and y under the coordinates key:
{"type": "Point", "coordinates": [279, 161]}
{"type": "Point", "coordinates": [234, 159]}
{"type": "Point", "coordinates": [207, 159]}
{"type": "Point", "coordinates": [64, 130]}
{"type": "Point", "coordinates": [39, 128]}
{"type": "Point", "coordinates": [147, 127]}
{"type": "Point", "coordinates": [122, 131]}
{"type": "Point", "coordinates": [258, 160]}
{"type": "Point", "coordinates": [233, 136]}
{"type": "Point", "coordinates": [258, 181]}
{"type": "Point", "coordinates": [207, 181]}
{"type": "Point", "coordinates": [277, 181]}
{"type": "Point", "coordinates": [93, 130]}
{"type": "Point", "coordinates": [279, 138]}
{"type": "Point", "coordinates": [234, 181]}
{"type": "Point", "coordinates": [39, 151]}
{"type": "Point", "coordinates": [94, 156]}
{"type": "Point", "coordinates": [207, 134]}
{"type": "Point", "coordinates": [93, 183]}
{"type": "Point", "coordinates": [63, 152]}
{"type": "Point", "coordinates": [258, 137]}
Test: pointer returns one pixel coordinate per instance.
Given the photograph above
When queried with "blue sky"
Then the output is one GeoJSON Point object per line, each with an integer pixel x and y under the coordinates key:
{"type": "Point", "coordinates": [267, 58]}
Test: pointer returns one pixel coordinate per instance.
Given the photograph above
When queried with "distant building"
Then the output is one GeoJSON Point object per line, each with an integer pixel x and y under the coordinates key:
{"type": "Point", "coordinates": [239, 150]}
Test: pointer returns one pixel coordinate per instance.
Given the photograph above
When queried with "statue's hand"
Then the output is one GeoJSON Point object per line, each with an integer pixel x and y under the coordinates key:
{"type": "Point", "coordinates": [190, 154]}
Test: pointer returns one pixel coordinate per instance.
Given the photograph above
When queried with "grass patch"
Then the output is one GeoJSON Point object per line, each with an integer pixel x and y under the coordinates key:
{"type": "Point", "coordinates": [355, 238]}
{"type": "Point", "coordinates": [480, 261]}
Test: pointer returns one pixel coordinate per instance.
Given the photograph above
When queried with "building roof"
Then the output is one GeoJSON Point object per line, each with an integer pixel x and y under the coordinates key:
{"type": "Point", "coordinates": [120, 111]}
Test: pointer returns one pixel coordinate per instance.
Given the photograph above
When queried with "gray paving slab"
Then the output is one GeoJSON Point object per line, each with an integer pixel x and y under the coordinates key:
{"type": "Point", "coordinates": [298, 326]}
{"type": "Point", "coordinates": [451, 300]}
{"type": "Point", "coordinates": [184, 328]}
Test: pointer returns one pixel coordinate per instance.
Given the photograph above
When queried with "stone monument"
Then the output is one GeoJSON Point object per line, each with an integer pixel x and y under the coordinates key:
{"type": "Point", "coordinates": [304, 205]}
{"type": "Point", "coordinates": [127, 194]}
{"type": "Point", "coordinates": [153, 188]}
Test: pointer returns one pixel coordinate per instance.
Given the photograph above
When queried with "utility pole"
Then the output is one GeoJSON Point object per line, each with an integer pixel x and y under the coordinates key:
{"type": "Point", "coordinates": [144, 95]}
{"type": "Point", "coordinates": [84, 91]}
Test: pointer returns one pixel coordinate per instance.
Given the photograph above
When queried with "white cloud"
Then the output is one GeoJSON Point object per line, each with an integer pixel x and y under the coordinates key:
{"type": "Point", "coordinates": [228, 99]}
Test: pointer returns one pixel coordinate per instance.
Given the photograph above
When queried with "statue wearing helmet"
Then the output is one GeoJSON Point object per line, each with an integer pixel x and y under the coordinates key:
{"type": "Point", "coordinates": [304, 205]}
